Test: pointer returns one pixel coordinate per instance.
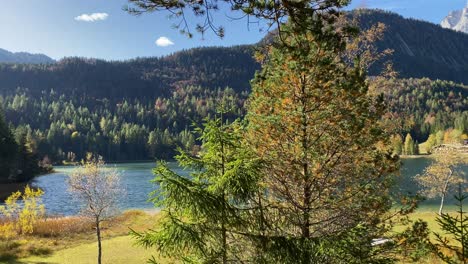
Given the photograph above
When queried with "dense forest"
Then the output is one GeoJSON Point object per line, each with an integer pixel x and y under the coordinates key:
{"type": "Point", "coordinates": [65, 127]}
{"type": "Point", "coordinates": [19, 161]}
{"type": "Point", "coordinates": [142, 77]}
{"type": "Point", "coordinates": [144, 108]}
{"type": "Point", "coordinates": [423, 107]}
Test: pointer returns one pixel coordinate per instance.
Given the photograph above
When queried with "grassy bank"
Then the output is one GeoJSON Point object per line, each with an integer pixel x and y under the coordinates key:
{"type": "Point", "coordinates": [77, 244]}
{"type": "Point", "coordinates": [73, 240]}
{"type": "Point", "coordinates": [119, 249]}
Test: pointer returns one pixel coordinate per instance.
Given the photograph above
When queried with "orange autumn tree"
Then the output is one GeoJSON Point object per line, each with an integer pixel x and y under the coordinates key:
{"type": "Point", "coordinates": [327, 169]}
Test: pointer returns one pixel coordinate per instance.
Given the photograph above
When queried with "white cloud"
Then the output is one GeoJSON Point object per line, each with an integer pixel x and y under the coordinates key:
{"type": "Point", "coordinates": [164, 42]}
{"type": "Point", "coordinates": [92, 17]}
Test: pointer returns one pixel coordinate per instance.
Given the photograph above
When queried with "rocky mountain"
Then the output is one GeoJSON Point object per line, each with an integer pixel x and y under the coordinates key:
{"type": "Point", "coordinates": [457, 20]}
{"type": "Point", "coordinates": [23, 57]}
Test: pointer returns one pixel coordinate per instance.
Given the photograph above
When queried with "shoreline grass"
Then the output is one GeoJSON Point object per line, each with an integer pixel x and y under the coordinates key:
{"type": "Point", "coordinates": [68, 243]}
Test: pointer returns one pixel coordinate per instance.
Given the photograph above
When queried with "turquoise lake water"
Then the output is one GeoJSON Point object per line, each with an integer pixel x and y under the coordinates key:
{"type": "Point", "coordinates": [135, 179]}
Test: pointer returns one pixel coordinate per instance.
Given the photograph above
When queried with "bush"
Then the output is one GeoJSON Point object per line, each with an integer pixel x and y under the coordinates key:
{"type": "Point", "coordinates": [20, 217]}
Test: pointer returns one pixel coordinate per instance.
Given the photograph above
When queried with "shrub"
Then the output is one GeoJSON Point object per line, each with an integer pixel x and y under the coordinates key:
{"type": "Point", "coordinates": [20, 217]}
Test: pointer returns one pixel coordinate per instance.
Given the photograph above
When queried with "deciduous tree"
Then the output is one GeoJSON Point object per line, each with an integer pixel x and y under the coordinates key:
{"type": "Point", "coordinates": [98, 190]}
{"type": "Point", "coordinates": [443, 174]}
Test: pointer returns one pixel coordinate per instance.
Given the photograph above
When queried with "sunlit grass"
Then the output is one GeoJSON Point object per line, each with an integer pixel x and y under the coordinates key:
{"type": "Point", "coordinates": [70, 237]}
{"type": "Point", "coordinates": [120, 249]}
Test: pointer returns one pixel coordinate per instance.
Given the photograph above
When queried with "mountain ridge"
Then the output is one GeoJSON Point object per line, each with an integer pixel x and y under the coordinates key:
{"type": "Point", "coordinates": [421, 49]}
{"type": "Point", "coordinates": [24, 57]}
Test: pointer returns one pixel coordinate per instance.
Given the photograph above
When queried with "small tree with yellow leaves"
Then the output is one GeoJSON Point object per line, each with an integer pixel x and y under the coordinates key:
{"type": "Point", "coordinates": [19, 217]}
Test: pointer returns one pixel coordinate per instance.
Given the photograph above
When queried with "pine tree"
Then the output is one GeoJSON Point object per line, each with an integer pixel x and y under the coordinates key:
{"type": "Point", "coordinates": [203, 214]}
{"type": "Point", "coordinates": [327, 167]}
{"type": "Point", "coordinates": [456, 226]}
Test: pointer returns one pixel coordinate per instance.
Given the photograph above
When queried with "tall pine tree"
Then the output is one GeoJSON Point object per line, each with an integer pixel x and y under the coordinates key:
{"type": "Point", "coordinates": [327, 169]}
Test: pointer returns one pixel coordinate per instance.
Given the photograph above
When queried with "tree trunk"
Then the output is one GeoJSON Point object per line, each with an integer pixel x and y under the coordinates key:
{"type": "Point", "coordinates": [441, 203]}
{"type": "Point", "coordinates": [444, 191]}
{"type": "Point", "coordinates": [98, 234]}
{"type": "Point", "coordinates": [307, 195]}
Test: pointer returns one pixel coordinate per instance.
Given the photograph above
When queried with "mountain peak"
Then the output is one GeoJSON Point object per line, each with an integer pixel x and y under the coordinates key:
{"type": "Point", "coordinates": [23, 57]}
{"type": "Point", "coordinates": [457, 20]}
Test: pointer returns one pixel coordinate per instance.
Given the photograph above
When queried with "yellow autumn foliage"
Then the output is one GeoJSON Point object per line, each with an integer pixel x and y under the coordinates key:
{"type": "Point", "coordinates": [19, 216]}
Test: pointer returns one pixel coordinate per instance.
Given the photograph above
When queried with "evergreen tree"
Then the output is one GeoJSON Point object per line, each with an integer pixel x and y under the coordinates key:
{"type": "Point", "coordinates": [27, 160]}
{"type": "Point", "coordinates": [456, 227]}
{"type": "Point", "coordinates": [203, 213]}
{"type": "Point", "coordinates": [327, 169]}
{"type": "Point", "coordinates": [8, 151]}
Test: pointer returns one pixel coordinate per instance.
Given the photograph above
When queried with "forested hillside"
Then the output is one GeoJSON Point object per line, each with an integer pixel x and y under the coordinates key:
{"type": "Point", "coordinates": [23, 57]}
{"type": "Point", "coordinates": [433, 52]}
{"type": "Point", "coordinates": [144, 108]}
{"type": "Point", "coordinates": [421, 49]}
{"type": "Point", "coordinates": [208, 67]}
{"type": "Point", "coordinates": [422, 107]}
{"type": "Point", "coordinates": [65, 127]}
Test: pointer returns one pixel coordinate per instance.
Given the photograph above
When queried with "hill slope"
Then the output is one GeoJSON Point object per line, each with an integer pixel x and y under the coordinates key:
{"type": "Point", "coordinates": [212, 68]}
{"type": "Point", "coordinates": [23, 57]}
{"type": "Point", "coordinates": [421, 49]}
{"type": "Point", "coordinates": [150, 103]}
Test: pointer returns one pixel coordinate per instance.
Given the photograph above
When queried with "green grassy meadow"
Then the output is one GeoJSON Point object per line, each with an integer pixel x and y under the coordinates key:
{"type": "Point", "coordinates": [119, 247]}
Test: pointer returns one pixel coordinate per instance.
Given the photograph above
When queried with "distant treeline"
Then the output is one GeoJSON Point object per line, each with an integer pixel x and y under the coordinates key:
{"type": "Point", "coordinates": [19, 160]}
{"type": "Point", "coordinates": [422, 107]}
{"type": "Point", "coordinates": [65, 127]}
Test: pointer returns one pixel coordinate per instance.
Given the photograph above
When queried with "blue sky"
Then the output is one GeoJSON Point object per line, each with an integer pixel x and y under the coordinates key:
{"type": "Point", "coordinates": [100, 29]}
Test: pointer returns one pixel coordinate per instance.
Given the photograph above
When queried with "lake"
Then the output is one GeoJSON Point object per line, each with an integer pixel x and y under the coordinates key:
{"type": "Point", "coordinates": [136, 177]}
